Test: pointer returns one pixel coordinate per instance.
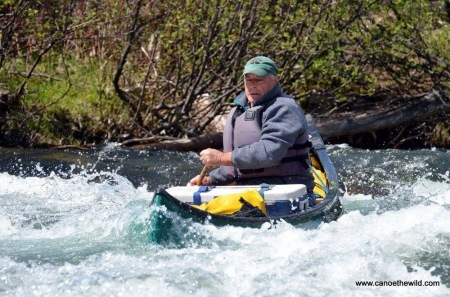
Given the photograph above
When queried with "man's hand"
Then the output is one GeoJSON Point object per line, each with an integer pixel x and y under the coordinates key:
{"type": "Point", "coordinates": [196, 181]}
{"type": "Point", "coordinates": [212, 157]}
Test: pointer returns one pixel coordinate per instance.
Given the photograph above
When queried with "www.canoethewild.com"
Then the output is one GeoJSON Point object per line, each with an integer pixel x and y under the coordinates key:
{"type": "Point", "coordinates": [398, 283]}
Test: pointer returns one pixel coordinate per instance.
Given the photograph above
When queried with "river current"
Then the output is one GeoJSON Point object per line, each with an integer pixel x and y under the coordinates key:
{"type": "Point", "coordinates": [74, 223]}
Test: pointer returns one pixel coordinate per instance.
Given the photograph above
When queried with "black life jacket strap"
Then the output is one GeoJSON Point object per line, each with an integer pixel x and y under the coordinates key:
{"type": "Point", "coordinates": [295, 158]}
{"type": "Point", "coordinates": [246, 171]}
{"type": "Point", "coordinates": [300, 146]}
{"type": "Point", "coordinates": [303, 159]}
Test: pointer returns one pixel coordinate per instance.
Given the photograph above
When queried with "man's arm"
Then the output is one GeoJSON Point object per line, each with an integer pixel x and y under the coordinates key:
{"type": "Point", "coordinates": [213, 157]}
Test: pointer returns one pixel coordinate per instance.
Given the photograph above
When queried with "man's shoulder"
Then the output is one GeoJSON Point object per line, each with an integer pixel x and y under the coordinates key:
{"type": "Point", "coordinates": [286, 100]}
{"type": "Point", "coordinates": [283, 107]}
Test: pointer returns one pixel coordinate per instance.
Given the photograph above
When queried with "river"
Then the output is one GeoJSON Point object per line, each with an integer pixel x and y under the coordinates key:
{"type": "Point", "coordinates": [68, 228]}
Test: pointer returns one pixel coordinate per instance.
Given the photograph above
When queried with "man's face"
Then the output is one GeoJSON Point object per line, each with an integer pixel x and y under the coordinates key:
{"type": "Point", "coordinates": [256, 87]}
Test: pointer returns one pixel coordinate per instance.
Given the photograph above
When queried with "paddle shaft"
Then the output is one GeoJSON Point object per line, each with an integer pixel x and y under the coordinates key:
{"type": "Point", "coordinates": [203, 174]}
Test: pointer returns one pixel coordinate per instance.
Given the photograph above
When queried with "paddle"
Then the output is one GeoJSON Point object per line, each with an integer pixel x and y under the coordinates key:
{"type": "Point", "coordinates": [203, 173]}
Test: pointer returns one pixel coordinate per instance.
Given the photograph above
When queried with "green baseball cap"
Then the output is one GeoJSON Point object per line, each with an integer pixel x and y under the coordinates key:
{"type": "Point", "coordinates": [260, 66]}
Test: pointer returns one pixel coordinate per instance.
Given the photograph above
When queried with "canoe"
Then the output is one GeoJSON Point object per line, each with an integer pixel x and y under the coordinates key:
{"type": "Point", "coordinates": [282, 202]}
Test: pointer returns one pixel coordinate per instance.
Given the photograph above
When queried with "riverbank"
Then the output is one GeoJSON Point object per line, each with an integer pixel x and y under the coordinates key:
{"type": "Point", "coordinates": [138, 74]}
{"type": "Point", "coordinates": [369, 122]}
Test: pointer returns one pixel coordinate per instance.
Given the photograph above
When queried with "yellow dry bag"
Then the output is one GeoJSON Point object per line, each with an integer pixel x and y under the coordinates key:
{"type": "Point", "coordinates": [243, 202]}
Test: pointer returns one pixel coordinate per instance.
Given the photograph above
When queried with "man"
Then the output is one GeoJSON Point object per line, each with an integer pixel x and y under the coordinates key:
{"type": "Point", "coordinates": [265, 137]}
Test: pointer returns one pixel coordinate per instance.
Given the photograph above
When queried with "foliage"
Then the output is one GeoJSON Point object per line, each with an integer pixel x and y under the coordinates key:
{"type": "Point", "coordinates": [138, 68]}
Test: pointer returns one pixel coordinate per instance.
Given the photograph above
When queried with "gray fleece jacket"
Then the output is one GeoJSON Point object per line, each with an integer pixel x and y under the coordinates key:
{"type": "Point", "coordinates": [283, 121]}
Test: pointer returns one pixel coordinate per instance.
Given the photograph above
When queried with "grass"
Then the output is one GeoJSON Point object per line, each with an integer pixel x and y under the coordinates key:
{"type": "Point", "coordinates": [75, 104]}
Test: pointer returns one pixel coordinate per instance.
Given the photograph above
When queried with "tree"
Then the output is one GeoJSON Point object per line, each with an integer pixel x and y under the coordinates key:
{"type": "Point", "coordinates": [167, 69]}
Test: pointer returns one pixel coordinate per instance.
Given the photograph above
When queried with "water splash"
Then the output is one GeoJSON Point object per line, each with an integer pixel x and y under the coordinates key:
{"type": "Point", "coordinates": [83, 231]}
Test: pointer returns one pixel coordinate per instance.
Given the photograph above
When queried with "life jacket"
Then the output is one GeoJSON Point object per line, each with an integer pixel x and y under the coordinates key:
{"type": "Point", "coordinates": [244, 128]}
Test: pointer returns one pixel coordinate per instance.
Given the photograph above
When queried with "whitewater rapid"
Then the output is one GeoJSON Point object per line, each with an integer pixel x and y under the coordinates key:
{"type": "Point", "coordinates": [79, 232]}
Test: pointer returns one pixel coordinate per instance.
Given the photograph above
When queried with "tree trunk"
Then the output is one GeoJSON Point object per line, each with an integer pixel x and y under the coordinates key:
{"type": "Point", "coordinates": [369, 116]}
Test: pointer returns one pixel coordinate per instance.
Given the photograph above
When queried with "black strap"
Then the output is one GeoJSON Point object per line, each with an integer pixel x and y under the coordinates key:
{"type": "Point", "coordinates": [246, 203]}
{"type": "Point", "coordinates": [295, 158]}
{"type": "Point", "coordinates": [246, 171]}
{"type": "Point", "coordinates": [248, 210]}
{"type": "Point", "coordinates": [303, 158]}
{"type": "Point", "coordinates": [300, 146]}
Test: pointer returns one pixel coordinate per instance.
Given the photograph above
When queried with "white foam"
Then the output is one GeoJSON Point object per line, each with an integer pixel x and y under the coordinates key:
{"type": "Point", "coordinates": [52, 207]}
{"type": "Point", "coordinates": [436, 192]}
{"type": "Point", "coordinates": [90, 251]}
